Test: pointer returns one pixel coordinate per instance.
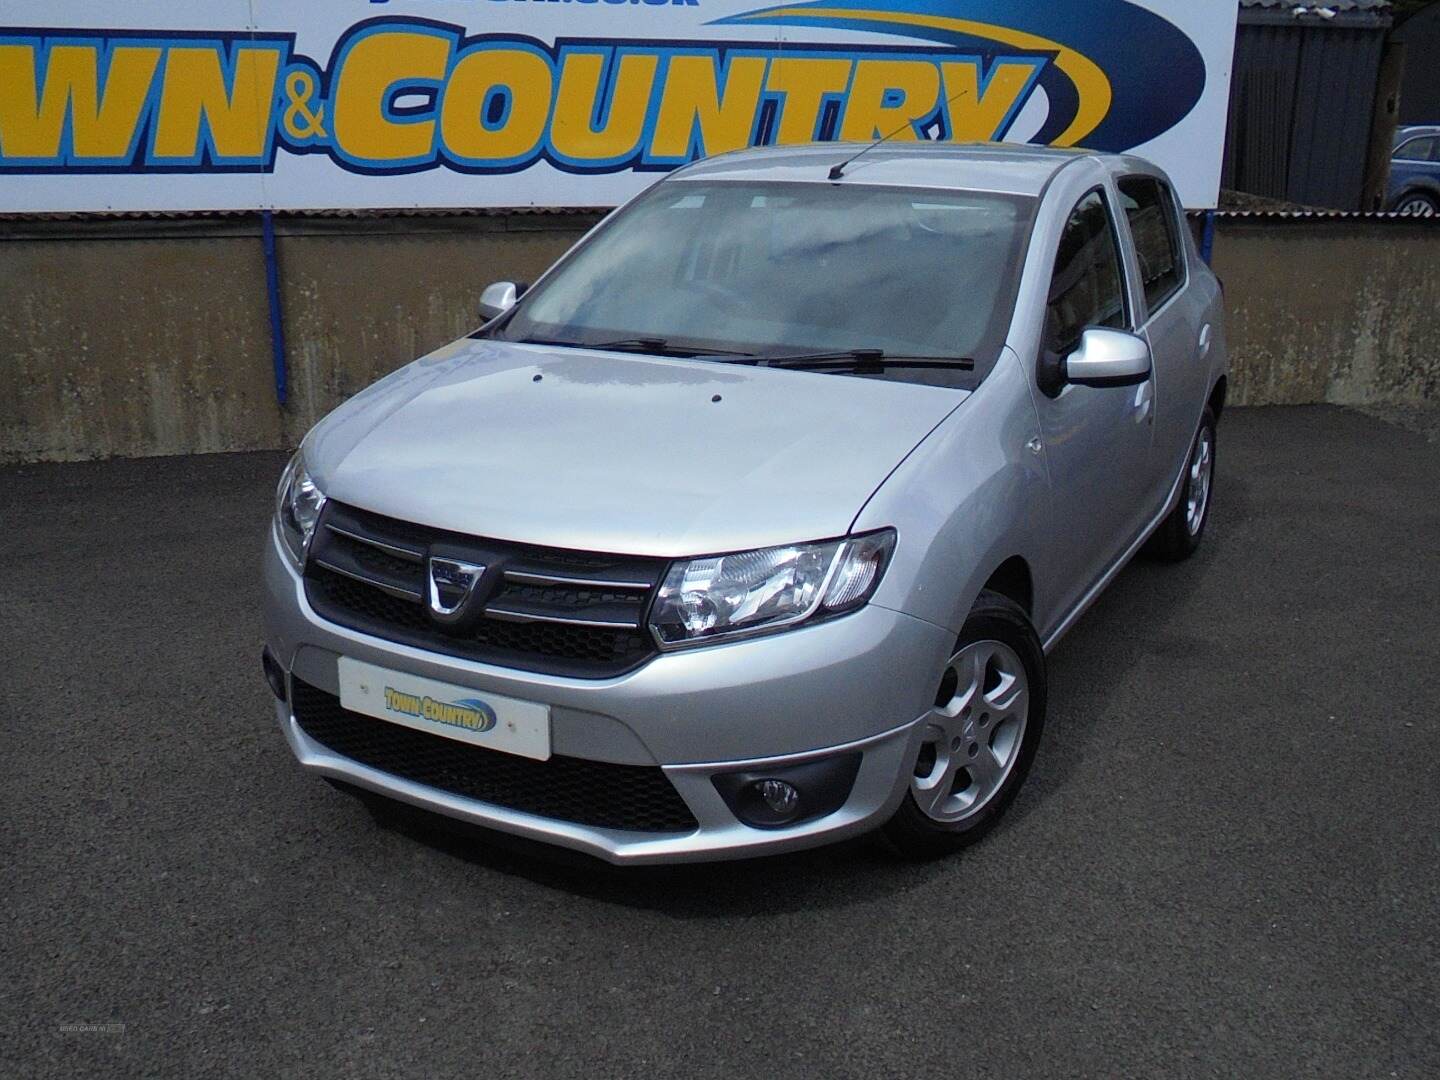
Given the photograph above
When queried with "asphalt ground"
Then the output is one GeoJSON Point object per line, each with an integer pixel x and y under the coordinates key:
{"type": "Point", "coordinates": [1224, 863]}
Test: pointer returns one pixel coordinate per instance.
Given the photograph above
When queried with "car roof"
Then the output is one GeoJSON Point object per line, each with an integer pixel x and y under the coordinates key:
{"type": "Point", "coordinates": [1009, 168]}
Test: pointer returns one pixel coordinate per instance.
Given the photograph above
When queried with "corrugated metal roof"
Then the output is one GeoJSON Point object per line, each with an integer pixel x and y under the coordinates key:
{"type": "Point", "coordinates": [1319, 215]}
{"type": "Point", "coordinates": [1310, 6]}
{"type": "Point", "coordinates": [1316, 14]}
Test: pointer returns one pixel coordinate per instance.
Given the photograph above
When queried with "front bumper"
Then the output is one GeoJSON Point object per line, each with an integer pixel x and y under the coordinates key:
{"type": "Point", "coordinates": [858, 683]}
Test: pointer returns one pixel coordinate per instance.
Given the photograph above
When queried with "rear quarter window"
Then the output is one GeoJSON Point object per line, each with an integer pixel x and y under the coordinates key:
{"type": "Point", "coordinates": [1150, 209]}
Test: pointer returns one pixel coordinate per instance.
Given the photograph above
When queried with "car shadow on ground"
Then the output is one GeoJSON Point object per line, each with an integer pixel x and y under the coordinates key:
{"type": "Point", "coordinates": [837, 875]}
{"type": "Point", "coordinates": [1141, 617]}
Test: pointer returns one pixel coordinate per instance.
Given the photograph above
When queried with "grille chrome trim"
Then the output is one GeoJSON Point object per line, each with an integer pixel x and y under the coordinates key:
{"type": "Point", "coordinates": [375, 583]}
{"type": "Point", "coordinates": [563, 620]}
{"type": "Point", "coordinates": [408, 554]}
{"type": "Point", "coordinates": [525, 577]}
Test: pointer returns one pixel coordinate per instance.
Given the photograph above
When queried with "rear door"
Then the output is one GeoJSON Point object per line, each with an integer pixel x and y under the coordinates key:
{"type": "Point", "coordinates": [1097, 439]}
{"type": "Point", "coordinates": [1173, 323]}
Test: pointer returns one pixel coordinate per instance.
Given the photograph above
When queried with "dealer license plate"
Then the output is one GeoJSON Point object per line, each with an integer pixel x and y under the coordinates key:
{"type": "Point", "coordinates": [452, 712]}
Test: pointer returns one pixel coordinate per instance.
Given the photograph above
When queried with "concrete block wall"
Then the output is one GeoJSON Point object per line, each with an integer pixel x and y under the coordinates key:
{"type": "Point", "coordinates": [152, 336]}
{"type": "Point", "coordinates": [1339, 310]}
{"type": "Point", "coordinates": [139, 338]}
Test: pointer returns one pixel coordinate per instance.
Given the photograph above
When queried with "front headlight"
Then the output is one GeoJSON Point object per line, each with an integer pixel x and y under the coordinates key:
{"type": "Point", "coordinates": [755, 592]}
{"type": "Point", "coordinates": [298, 503]}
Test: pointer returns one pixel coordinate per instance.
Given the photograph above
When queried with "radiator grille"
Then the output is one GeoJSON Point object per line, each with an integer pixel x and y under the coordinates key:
{"type": "Point", "coordinates": [599, 794]}
{"type": "Point", "coordinates": [542, 609]}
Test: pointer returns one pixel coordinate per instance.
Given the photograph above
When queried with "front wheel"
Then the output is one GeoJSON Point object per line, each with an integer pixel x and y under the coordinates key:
{"type": "Point", "coordinates": [980, 737]}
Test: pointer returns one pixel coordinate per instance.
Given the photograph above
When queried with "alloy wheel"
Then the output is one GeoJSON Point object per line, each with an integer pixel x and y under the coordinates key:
{"type": "Point", "coordinates": [1197, 492]}
{"type": "Point", "coordinates": [973, 734]}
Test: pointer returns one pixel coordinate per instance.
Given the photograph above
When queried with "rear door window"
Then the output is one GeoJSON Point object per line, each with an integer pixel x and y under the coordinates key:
{"type": "Point", "coordinates": [1087, 287]}
{"type": "Point", "coordinates": [1150, 209]}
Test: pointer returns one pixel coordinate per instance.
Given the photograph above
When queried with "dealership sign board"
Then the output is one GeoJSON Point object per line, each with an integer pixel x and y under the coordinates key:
{"type": "Point", "coordinates": [223, 104]}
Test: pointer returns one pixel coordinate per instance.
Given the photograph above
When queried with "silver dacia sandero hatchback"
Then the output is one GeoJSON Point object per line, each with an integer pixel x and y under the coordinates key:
{"type": "Point", "coordinates": [749, 525]}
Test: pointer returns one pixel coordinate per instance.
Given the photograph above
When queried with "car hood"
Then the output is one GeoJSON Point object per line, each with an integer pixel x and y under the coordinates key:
{"type": "Point", "coordinates": [616, 452]}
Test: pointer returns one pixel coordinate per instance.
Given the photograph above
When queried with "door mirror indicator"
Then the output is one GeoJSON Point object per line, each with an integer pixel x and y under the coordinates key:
{"type": "Point", "coordinates": [1105, 358]}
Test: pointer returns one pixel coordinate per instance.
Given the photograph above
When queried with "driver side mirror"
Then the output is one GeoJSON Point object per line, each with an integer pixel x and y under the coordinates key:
{"type": "Point", "coordinates": [499, 298]}
{"type": "Point", "coordinates": [1104, 358]}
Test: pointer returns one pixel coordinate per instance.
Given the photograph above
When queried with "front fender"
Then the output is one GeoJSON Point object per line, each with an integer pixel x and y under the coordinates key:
{"type": "Point", "coordinates": [972, 495]}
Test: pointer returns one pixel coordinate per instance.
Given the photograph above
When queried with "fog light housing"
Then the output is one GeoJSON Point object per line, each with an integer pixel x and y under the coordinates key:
{"type": "Point", "coordinates": [274, 674]}
{"type": "Point", "coordinates": [778, 798]}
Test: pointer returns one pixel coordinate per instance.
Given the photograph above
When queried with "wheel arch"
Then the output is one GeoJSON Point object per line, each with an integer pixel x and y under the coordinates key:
{"type": "Point", "coordinates": [1013, 579]}
{"type": "Point", "coordinates": [1217, 396]}
{"type": "Point", "coordinates": [1418, 185]}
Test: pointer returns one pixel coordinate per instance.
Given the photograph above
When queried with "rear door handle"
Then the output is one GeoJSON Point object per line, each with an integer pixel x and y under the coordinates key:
{"type": "Point", "coordinates": [1204, 341]}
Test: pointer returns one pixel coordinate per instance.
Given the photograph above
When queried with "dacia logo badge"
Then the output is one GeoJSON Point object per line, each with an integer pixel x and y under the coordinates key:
{"type": "Point", "coordinates": [451, 587]}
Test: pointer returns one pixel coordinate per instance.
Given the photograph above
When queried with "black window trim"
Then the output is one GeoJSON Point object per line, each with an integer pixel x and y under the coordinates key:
{"type": "Point", "coordinates": [1182, 250]}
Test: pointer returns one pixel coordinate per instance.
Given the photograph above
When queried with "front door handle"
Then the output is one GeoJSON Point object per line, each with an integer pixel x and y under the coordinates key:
{"type": "Point", "coordinates": [1144, 399]}
{"type": "Point", "coordinates": [1204, 341]}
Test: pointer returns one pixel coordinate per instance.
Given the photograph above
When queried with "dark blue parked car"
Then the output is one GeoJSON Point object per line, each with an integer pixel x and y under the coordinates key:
{"type": "Point", "coordinates": [1415, 171]}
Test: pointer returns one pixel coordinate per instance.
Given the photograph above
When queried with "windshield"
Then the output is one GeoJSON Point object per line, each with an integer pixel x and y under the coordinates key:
{"type": "Point", "coordinates": [775, 268]}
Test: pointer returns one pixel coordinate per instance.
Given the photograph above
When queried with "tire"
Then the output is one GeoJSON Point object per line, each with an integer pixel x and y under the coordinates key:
{"type": "Point", "coordinates": [1179, 535]}
{"type": "Point", "coordinates": [1418, 204]}
{"type": "Point", "coordinates": [980, 700]}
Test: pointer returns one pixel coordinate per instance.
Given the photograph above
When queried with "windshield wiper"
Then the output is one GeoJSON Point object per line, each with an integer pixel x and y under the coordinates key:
{"type": "Point", "coordinates": [654, 345]}
{"type": "Point", "coordinates": [858, 359]}
{"type": "Point", "coordinates": [662, 347]}
{"type": "Point", "coordinates": [862, 361]}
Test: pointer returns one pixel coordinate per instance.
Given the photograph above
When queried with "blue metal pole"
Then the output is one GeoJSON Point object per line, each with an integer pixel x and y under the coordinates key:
{"type": "Point", "coordinates": [1207, 236]}
{"type": "Point", "coordinates": [272, 289]}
